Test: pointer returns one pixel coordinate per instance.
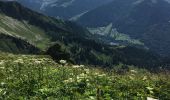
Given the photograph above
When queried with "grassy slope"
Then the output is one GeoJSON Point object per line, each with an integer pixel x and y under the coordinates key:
{"type": "Point", "coordinates": [38, 77]}
{"type": "Point", "coordinates": [24, 30]}
{"type": "Point", "coordinates": [16, 45]}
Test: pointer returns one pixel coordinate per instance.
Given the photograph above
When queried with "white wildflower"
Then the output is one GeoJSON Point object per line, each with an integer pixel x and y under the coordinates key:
{"type": "Point", "coordinates": [11, 70]}
{"type": "Point", "coordinates": [87, 71]}
{"type": "Point", "coordinates": [19, 61]}
{"type": "Point", "coordinates": [2, 62]}
{"type": "Point", "coordinates": [70, 80]}
{"type": "Point", "coordinates": [87, 80]}
{"type": "Point", "coordinates": [63, 61]}
{"type": "Point", "coordinates": [131, 77]}
{"type": "Point", "coordinates": [144, 78]}
{"type": "Point", "coordinates": [1, 90]}
{"type": "Point", "coordinates": [133, 71]}
{"type": "Point", "coordinates": [81, 65]}
{"type": "Point", "coordinates": [44, 90]}
{"type": "Point", "coordinates": [2, 83]}
{"type": "Point", "coordinates": [96, 73]}
{"type": "Point", "coordinates": [149, 98]}
{"type": "Point", "coordinates": [76, 66]}
{"type": "Point", "coordinates": [37, 62]}
{"type": "Point", "coordinates": [2, 67]}
{"type": "Point", "coordinates": [92, 98]}
{"type": "Point", "coordinates": [102, 75]}
{"type": "Point", "coordinates": [83, 75]}
{"type": "Point", "coordinates": [149, 88]}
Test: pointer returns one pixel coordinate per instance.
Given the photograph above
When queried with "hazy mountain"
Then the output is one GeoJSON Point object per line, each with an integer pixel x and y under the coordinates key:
{"type": "Point", "coordinates": [63, 8]}
{"type": "Point", "coordinates": [144, 20]}
{"type": "Point", "coordinates": [63, 39]}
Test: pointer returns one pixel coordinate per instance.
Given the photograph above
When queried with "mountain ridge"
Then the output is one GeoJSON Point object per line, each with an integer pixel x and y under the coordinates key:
{"type": "Point", "coordinates": [145, 21]}
{"type": "Point", "coordinates": [71, 42]}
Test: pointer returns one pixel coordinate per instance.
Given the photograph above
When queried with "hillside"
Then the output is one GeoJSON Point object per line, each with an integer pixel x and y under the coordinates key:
{"type": "Point", "coordinates": [36, 28]}
{"type": "Point", "coordinates": [143, 20]}
{"type": "Point", "coordinates": [66, 40]}
{"type": "Point", "coordinates": [39, 77]}
{"type": "Point", "coordinates": [16, 45]}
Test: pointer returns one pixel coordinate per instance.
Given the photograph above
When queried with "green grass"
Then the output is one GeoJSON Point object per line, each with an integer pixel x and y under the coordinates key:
{"type": "Point", "coordinates": [34, 77]}
{"type": "Point", "coordinates": [24, 30]}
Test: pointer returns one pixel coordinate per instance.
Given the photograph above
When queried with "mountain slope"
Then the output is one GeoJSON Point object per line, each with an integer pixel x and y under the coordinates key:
{"type": "Point", "coordinates": [66, 40]}
{"type": "Point", "coordinates": [34, 27]}
{"type": "Point", "coordinates": [145, 20]}
{"type": "Point", "coordinates": [16, 45]}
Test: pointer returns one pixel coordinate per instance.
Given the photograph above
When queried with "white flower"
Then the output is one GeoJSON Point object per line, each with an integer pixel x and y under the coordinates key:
{"type": "Point", "coordinates": [11, 70]}
{"type": "Point", "coordinates": [133, 71]}
{"type": "Point", "coordinates": [44, 90]}
{"type": "Point", "coordinates": [83, 75]}
{"type": "Point", "coordinates": [63, 61]}
{"type": "Point", "coordinates": [2, 62]}
{"type": "Point", "coordinates": [19, 61]}
{"type": "Point", "coordinates": [76, 66]}
{"type": "Point", "coordinates": [101, 75]}
{"type": "Point", "coordinates": [144, 78]}
{"type": "Point", "coordinates": [38, 62]}
{"type": "Point", "coordinates": [2, 83]}
{"type": "Point", "coordinates": [81, 65]}
{"type": "Point", "coordinates": [96, 73]}
{"type": "Point", "coordinates": [1, 90]}
{"type": "Point", "coordinates": [87, 71]}
{"type": "Point", "coordinates": [87, 80]}
{"type": "Point", "coordinates": [149, 88]}
{"type": "Point", "coordinates": [92, 98]}
{"type": "Point", "coordinates": [69, 80]}
{"type": "Point", "coordinates": [131, 77]}
{"type": "Point", "coordinates": [2, 67]}
{"type": "Point", "coordinates": [149, 98]}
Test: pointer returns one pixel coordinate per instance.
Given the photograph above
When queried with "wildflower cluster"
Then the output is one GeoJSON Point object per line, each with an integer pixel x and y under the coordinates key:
{"type": "Point", "coordinates": [39, 77]}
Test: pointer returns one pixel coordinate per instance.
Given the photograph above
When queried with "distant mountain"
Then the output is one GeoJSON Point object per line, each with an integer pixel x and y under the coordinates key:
{"type": "Point", "coordinates": [26, 31]}
{"type": "Point", "coordinates": [144, 20]}
{"type": "Point", "coordinates": [63, 8]}
{"type": "Point", "coordinates": [35, 28]}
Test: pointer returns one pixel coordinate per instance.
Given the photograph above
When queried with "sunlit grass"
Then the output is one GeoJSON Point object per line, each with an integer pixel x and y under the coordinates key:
{"type": "Point", "coordinates": [39, 77]}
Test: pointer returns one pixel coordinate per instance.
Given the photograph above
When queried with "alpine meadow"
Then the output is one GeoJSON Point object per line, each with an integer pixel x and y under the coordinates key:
{"type": "Point", "coordinates": [84, 49]}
